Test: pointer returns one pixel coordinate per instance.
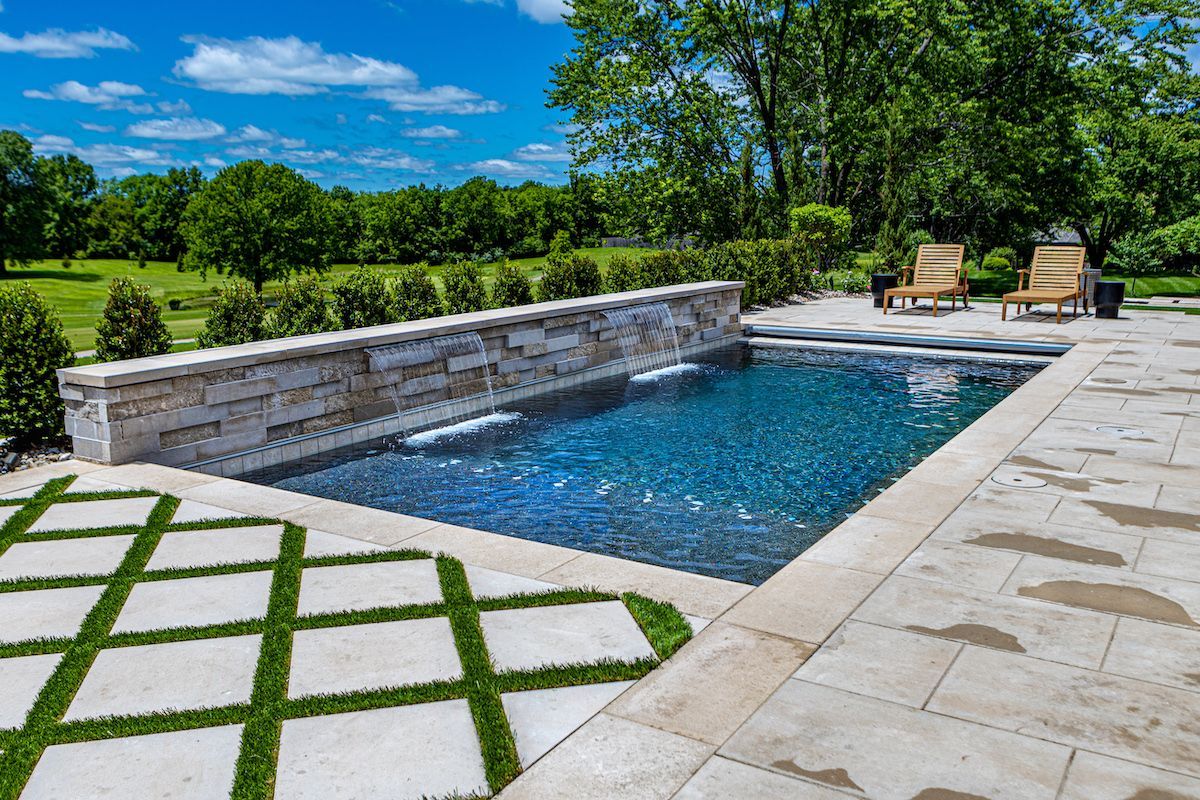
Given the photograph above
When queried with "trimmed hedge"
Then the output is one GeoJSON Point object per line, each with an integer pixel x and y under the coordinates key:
{"type": "Point", "coordinates": [570, 275]}
{"type": "Point", "coordinates": [132, 325]}
{"type": "Point", "coordinates": [237, 317]}
{"type": "Point", "coordinates": [363, 299]}
{"type": "Point", "coordinates": [32, 347]}
{"type": "Point", "coordinates": [301, 309]}
{"type": "Point", "coordinates": [416, 295]}
{"type": "Point", "coordinates": [512, 286]}
{"type": "Point", "coordinates": [464, 288]}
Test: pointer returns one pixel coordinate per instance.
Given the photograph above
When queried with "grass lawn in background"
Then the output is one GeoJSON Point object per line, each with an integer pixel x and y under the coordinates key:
{"type": "Point", "coordinates": [993, 283]}
{"type": "Point", "coordinates": [80, 291]}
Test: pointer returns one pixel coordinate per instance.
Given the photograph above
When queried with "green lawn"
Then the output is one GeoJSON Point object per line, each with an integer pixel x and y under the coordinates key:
{"type": "Point", "coordinates": [79, 292]}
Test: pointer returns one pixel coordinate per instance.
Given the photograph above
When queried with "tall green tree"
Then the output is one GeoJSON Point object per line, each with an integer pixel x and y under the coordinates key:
{"type": "Point", "coordinates": [22, 203]}
{"type": "Point", "coordinates": [70, 186]}
{"type": "Point", "coordinates": [258, 222]}
{"type": "Point", "coordinates": [1139, 124]}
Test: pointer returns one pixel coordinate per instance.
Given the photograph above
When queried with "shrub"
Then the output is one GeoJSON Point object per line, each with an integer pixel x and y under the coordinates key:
{"type": "Point", "coordinates": [32, 347]}
{"type": "Point", "coordinates": [132, 325]}
{"type": "Point", "coordinates": [301, 309]}
{"type": "Point", "coordinates": [1181, 243]}
{"type": "Point", "coordinates": [238, 316]}
{"type": "Point", "coordinates": [823, 232]}
{"type": "Point", "coordinates": [669, 267]}
{"type": "Point", "coordinates": [569, 275]}
{"type": "Point", "coordinates": [464, 288]}
{"type": "Point", "coordinates": [624, 274]}
{"type": "Point", "coordinates": [856, 282]}
{"type": "Point", "coordinates": [416, 296]}
{"type": "Point", "coordinates": [560, 245]}
{"type": "Point", "coordinates": [512, 286]}
{"type": "Point", "coordinates": [772, 269]}
{"type": "Point", "coordinates": [1000, 258]}
{"type": "Point", "coordinates": [363, 299]}
{"type": "Point", "coordinates": [529, 246]}
{"type": "Point", "coordinates": [174, 304]}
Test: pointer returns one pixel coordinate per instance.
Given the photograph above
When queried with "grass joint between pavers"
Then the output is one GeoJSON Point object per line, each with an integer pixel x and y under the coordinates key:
{"type": "Point", "coordinates": [270, 706]}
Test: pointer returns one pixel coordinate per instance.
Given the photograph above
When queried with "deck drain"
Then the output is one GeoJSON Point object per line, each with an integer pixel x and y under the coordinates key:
{"type": "Point", "coordinates": [1019, 481]}
{"type": "Point", "coordinates": [1119, 430]}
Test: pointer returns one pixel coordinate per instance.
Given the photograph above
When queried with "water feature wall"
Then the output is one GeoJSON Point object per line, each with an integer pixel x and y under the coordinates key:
{"type": "Point", "coordinates": [230, 410]}
{"type": "Point", "coordinates": [647, 336]}
{"type": "Point", "coordinates": [453, 368]}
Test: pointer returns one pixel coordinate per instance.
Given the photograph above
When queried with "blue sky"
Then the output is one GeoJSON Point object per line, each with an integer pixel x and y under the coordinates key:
{"type": "Point", "coordinates": [368, 93]}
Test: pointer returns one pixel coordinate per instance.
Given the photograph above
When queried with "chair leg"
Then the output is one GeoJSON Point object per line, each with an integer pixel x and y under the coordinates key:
{"type": "Point", "coordinates": [953, 301]}
{"type": "Point", "coordinates": [1075, 308]}
{"type": "Point", "coordinates": [935, 305]}
{"type": "Point", "coordinates": [886, 302]}
{"type": "Point", "coordinates": [1058, 319]}
{"type": "Point", "coordinates": [1003, 310]}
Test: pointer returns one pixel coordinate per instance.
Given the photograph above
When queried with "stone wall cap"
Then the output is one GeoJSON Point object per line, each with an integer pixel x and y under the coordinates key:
{"type": "Point", "coordinates": [172, 365]}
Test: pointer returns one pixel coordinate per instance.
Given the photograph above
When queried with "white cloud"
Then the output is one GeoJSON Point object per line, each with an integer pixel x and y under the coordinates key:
{"type": "Point", "coordinates": [176, 129]}
{"type": "Point", "coordinates": [340, 119]}
{"type": "Point", "coordinates": [436, 100]}
{"type": "Point", "coordinates": [253, 133]}
{"type": "Point", "coordinates": [431, 132]}
{"type": "Point", "coordinates": [57, 43]}
{"type": "Point", "coordinates": [106, 95]}
{"type": "Point", "coordinates": [545, 11]}
{"type": "Point", "coordinates": [378, 119]}
{"type": "Point", "coordinates": [213, 161]}
{"type": "Point", "coordinates": [385, 158]}
{"type": "Point", "coordinates": [91, 126]}
{"type": "Point", "coordinates": [290, 66]}
{"type": "Point", "coordinates": [503, 168]}
{"type": "Point", "coordinates": [102, 155]}
{"type": "Point", "coordinates": [179, 107]}
{"type": "Point", "coordinates": [540, 151]}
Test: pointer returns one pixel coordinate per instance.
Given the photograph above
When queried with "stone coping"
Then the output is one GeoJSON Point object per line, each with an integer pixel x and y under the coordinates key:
{"type": "Point", "coordinates": [123, 373]}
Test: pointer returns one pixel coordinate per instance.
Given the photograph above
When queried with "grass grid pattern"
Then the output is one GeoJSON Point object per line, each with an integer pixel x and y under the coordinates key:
{"type": "Point", "coordinates": [269, 706]}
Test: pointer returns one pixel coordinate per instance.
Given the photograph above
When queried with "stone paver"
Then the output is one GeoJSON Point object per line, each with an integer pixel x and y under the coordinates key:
{"type": "Point", "coordinates": [59, 558]}
{"type": "Point", "coordinates": [713, 683]}
{"type": "Point", "coordinates": [1154, 652]}
{"type": "Point", "coordinates": [541, 718]}
{"type": "Point", "coordinates": [94, 514]}
{"type": "Point", "coordinates": [723, 778]}
{"type": "Point", "coordinates": [319, 544]}
{"type": "Point", "coordinates": [175, 676]}
{"type": "Point", "coordinates": [194, 511]}
{"type": "Point", "coordinates": [358, 587]}
{"type": "Point", "coordinates": [528, 638]}
{"type": "Point", "coordinates": [373, 656]}
{"type": "Point", "coordinates": [881, 662]}
{"type": "Point", "coordinates": [186, 765]}
{"type": "Point", "coordinates": [8, 511]}
{"type": "Point", "coordinates": [45, 613]}
{"type": "Point", "coordinates": [487, 583]}
{"type": "Point", "coordinates": [889, 752]}
{"type": "Point", "coordinates": [184, 549]}
{"type": "Point", "coordinates": [1096, 777]}
{"type": "Point", "coordinates": [183, 602]}
{"type": "Point", "coordinates": [611, 757]}
{"type": "Point", "coordinates": [22, 678]}
{"type": "Point", "coordinates": [1075, 707]}
{"type": "Point", "coordinates": [427, 750]}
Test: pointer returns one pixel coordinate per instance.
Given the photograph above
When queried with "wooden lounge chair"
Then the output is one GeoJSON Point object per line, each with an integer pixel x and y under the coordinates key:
{"type": "Point", "coordinates": [939, 271]}
{"type": "Point", "coordinates": [1053, 278]}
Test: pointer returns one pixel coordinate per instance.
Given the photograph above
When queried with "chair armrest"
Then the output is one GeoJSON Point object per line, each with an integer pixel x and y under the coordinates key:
{"type": "Point", "coordinates": [1021, 273]}
{"type": "Point", "coordinates": [906, 275]}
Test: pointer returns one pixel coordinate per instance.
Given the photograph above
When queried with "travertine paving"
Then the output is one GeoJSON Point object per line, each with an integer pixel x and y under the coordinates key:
{"type": "Point", "coordinates": [1019, 617]}
{"type": "Point", "coordinates": [168, 648]}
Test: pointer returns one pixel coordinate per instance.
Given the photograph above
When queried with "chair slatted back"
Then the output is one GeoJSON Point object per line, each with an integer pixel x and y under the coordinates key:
{"type": "Point", "coordinates": [1056, 268]}
{"type": "Point", "coordinates": [938, 264]}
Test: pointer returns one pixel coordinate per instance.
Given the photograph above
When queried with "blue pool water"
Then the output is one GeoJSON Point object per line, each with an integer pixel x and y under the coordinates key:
{"type": "Point", "coordinates": [731, 469]}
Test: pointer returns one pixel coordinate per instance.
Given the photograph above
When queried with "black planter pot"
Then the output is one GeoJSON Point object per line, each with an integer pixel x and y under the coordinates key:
{"type": "Point", "coordinates": [881, 281]}
{"type": "Point", "coordinates": [1108, 298]}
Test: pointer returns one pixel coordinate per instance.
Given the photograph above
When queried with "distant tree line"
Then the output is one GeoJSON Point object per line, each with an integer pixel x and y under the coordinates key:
{"type": "Point", "coordinates": [56, 207]}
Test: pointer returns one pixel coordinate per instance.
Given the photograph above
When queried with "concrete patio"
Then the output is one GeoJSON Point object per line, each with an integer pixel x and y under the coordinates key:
{"type": "Point", "coordinates": [1018, 617]}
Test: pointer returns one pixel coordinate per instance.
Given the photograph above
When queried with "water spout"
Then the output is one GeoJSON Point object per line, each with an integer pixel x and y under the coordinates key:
{"type": "Point", "coordinates": [647, 337]}
{"type": "Point", "coordinates": [447, 376]}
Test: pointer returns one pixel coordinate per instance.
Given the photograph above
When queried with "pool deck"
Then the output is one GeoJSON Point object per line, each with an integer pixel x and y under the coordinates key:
{"type": "Point", "coordinates": [1017, 617]}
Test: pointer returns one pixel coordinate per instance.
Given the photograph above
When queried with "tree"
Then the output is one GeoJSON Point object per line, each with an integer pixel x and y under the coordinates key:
{"type": "Point", "coordinates": [70, 186]}
{"type": "Point", "coordinates": [1141, 137]}
{"type": "Point", "coordinates": [22, 202]}
{"type": "Point", "coordinates": [112, 227]}
{"type": "Point", "coordinates": [258, 222]}
{"type": "Point", "coordinates": [475, 217]}
{"type": "Point", "coordinates": [159, 202]}
{"type": "Point", "coordinates": [132, 325]}
{"type": "Point", "coordinates": [773, 103]}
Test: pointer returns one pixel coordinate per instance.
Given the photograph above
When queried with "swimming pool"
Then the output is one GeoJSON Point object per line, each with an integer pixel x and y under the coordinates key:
{"type": "Point", "coordinates": [729, 469]}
